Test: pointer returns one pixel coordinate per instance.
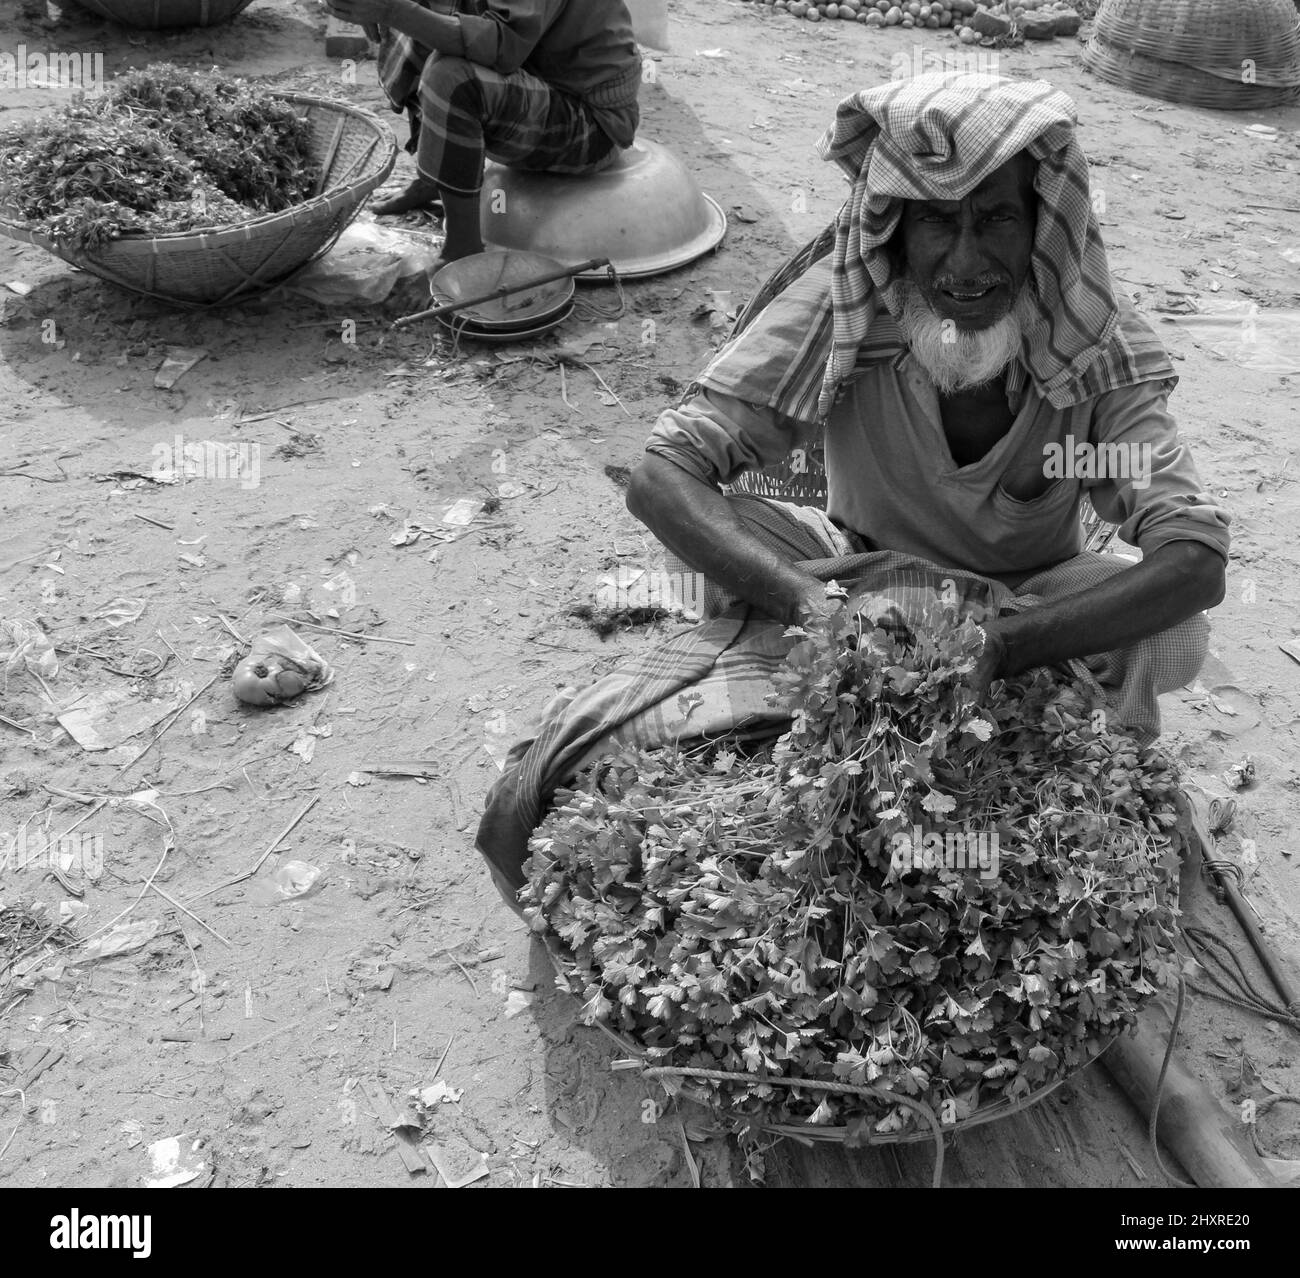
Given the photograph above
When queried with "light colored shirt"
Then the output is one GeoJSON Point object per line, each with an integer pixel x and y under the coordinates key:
{"type": "Point", "coordinates": [892, 480]}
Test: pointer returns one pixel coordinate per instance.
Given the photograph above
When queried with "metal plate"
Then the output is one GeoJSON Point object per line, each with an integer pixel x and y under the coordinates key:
{"type": "Point", "coordinates": [468, 331]}
{"type": "Point", "coordinates": [483, 272]}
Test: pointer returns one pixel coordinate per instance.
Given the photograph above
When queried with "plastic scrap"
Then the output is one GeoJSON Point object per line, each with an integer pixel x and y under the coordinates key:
{"type": "Point", "coordinates": [364, 266]}
{"type": "Point", "coordinates": [172, 1164]}
{"type": "Point", "coordinates": [104, 719]}
{"type": "Point", "coordinates": [294, 879]}
{"type": "Point", "coordinates": [24, 645]}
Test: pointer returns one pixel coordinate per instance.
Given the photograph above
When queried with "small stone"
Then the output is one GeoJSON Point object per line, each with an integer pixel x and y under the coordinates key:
{"type": "Point", "coordinates": [989, 24]}
{"type": "Point", "coordinates": [1067, 22]}
{"type": "Point", "coordinates": [1038, 26]}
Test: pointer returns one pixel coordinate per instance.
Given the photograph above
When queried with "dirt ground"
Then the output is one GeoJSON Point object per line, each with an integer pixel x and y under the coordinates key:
{"type": "Point", "coordinates": [403, 967]}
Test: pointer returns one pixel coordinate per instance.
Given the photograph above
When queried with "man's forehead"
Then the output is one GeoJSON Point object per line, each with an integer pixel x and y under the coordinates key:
{"type": "Point", "coordinates": [1008, 181]}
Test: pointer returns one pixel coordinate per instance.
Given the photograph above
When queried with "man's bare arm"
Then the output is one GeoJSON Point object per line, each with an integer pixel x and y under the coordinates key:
{"type": "Point", "coordinates": [696, 522]}
{"type": "Point", "coordinates": [1174, 582]}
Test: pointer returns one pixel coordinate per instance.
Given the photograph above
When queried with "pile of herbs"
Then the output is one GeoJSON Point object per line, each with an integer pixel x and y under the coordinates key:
{"type": "Point", "coordinates": [162, 150]}
{"type": "Point", "coordinates": [752, 913]}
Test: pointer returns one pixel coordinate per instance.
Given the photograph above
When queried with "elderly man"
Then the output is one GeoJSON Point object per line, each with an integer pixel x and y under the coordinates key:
{"type": "Point", "coordinates": [974, 378]}
{"type": "Point", "coordinates": [536, 84]}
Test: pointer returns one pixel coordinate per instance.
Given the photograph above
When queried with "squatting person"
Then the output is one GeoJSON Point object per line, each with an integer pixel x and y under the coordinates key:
{"type": "Point", "coordinates": [545, 85]}
{"type": "Point", "coordinates": [963, 328]}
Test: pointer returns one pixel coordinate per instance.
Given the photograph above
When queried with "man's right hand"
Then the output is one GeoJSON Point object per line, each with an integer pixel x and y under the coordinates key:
{"type": "Point", "coordinates": [819, 606]}
{"type": "Point", "coordinates": [699, 525]}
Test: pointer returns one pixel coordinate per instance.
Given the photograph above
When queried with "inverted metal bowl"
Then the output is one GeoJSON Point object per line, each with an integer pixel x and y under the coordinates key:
{"type": "Point", "coordinates": [645, 213]}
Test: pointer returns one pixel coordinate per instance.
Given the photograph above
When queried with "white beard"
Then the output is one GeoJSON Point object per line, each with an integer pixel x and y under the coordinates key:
{"type": "Point", "coordinates": [959, 359]}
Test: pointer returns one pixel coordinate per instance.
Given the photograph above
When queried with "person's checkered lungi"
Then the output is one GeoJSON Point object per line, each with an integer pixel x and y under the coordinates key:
{"type": "Point", "coordinates": [1129, 677]}
{"type": "Point", "coordinates": [467, 112]}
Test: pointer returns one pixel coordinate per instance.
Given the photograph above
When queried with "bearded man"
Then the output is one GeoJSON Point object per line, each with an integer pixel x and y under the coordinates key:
{"type": "Point", "coordinates": [544, 85]}
{"type": "Point", "coordinates": [961, 338]}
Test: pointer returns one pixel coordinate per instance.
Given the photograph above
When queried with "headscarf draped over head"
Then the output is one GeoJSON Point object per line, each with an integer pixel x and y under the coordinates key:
{"type": "Point", "coordinates": [937, 137]}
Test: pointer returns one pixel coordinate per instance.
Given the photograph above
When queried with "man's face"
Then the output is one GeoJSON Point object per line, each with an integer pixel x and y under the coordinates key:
{"type": "Point", "coordinates": [970, 257]}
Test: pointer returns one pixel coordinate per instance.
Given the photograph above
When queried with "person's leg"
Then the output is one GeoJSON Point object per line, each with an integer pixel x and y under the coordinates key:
{"type": "Point", "coordinates": [468, 112]}
{"type": "Point", "coordinates": [540, 129]}
{"type": "Point", "coordinates": [420, 193]}
{"type": "Point", "coordinates": [448, 129]}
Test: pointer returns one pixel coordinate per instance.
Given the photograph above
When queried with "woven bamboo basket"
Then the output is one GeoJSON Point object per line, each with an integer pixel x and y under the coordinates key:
{"type": "Point", "coordinates": [685, 1082]}
{"type": "Point", "coordinates": [1175, 82]}
{"type": "Point", "coordinates": [1200, 52]}
{"type": "Point", "coordinates": [800, 478]}
{"type": "Point", "coordinates": [198, 270]}
{"type": "Point", "coordinates": [153, 15]}
{"type": "Point", "coordinates": [1207, 33]}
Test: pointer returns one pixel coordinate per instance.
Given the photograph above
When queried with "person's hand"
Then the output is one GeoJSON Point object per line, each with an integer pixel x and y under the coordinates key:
{"type": "Point", "coordinates": [989, 666]}
{"type": "Point", "coordinates": [363, 13]}
{"type": "Point", "coordinates": [819, 605]}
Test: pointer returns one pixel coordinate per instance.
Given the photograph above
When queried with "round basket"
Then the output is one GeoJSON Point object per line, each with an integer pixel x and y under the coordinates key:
{"type": "Point", "coordinates": [202, 269]}
{"type": "Point", "coordinates": [1176, 82]}
{"type": "Point", "coordinates": [153, 15]}
{"type": "Point", "coordinates": [1206, 33]}
{"type": "Point", "coordinates": [930, 1129]}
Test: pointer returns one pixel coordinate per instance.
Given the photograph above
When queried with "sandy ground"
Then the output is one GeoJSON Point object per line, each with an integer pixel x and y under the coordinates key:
{"type": "Point", "coordinates": [401, 966]}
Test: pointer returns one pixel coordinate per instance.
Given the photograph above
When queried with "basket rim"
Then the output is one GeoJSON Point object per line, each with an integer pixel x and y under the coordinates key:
{"type": "Point", "coordinates": [1180, 82]}
{"type": "Point", "coordinates": [989, 1112]}
{"type": "Point", "coordinates": [223, 11]}
{"type": "Point", "coordinates": [133, 244]}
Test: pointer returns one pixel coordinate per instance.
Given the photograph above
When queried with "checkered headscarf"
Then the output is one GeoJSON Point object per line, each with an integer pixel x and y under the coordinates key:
{"type": "Point", "coordinates": [937, 136]}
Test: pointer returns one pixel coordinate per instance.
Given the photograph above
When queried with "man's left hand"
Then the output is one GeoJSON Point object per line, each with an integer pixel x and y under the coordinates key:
{"type": "Point", "coordinates": [989, 666]}
{"type": "Point", "coordinates": [363, 13]}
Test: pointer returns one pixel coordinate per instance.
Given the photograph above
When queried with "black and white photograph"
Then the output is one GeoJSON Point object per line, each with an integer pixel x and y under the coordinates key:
{"type": "Point", "coordinates": [649, 594]}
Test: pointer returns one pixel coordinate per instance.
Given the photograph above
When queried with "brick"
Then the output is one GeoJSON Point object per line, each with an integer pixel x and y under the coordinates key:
{"type": "Point", "coordinates": [1067, 22]}
{"type": "Point", "coordinates": [1038, 26]}
{"type": "Point", "coordinates": [344, 40]}
{"type": "Point", "coordinates": [989, 24]}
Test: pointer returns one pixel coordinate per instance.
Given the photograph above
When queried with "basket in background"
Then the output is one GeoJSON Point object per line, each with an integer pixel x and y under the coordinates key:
{"type": "Point", "coordinates": [1238, 56]}
{"type": "Point", "coordinates": [153, 15]}
{"type": "Point", "coordinates": [202, 269]}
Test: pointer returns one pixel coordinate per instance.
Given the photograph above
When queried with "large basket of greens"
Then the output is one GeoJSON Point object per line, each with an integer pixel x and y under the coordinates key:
{"type": "Point", "coordinates": [153, 15]}
{"type": "Point", "coordinates": [916, 912]}
{"type": "Point", "coordinates": [196, 189]}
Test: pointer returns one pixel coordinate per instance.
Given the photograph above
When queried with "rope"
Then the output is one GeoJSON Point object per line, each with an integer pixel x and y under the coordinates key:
{"type": "Point", "coordinates": [1263, 1107]}
{"type": "Point", "coordinates": [1234, 987]}
{"type": "Point", "coordinates": [1160, 1087]}
{"type": "Point", "coordinates": [585, 309]}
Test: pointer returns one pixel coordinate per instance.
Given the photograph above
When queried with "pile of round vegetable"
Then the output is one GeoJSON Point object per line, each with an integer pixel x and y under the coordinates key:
{"type": "Point", "coordinates": [751, 914]}
{"type": "Point", "coordinates": [936, 14]}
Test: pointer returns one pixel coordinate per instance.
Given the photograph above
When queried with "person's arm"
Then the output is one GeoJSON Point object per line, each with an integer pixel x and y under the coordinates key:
{"type": "Point", "coordinates": [1179, 579]}
{"type": "Point", "coordinates": [501, 37]}
{"type": "Point", "coordinates": [676, 492]}
{"type": "Point", "coordinates": [1152, 489]}
{"type": "Point", "coordinates": [434, 25]}
{"type": "Point", "coordinates": [697, 523]}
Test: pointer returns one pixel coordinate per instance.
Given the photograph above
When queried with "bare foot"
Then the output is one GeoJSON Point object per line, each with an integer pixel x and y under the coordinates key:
{"type": "Point", "coordinates": [421, 194]}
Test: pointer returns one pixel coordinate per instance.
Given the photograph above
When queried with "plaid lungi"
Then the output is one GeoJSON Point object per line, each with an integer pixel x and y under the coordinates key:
{"type": "Point", "coordinates": [463, 112]}
{"type": "Point", "coordinates": [714, 679]}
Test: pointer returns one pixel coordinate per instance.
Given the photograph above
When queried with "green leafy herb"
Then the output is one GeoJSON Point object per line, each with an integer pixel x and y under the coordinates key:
{"type": "Point", "coordinates": [751, 913]}
{"type": "Point", "coordinates": [163, 150]}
